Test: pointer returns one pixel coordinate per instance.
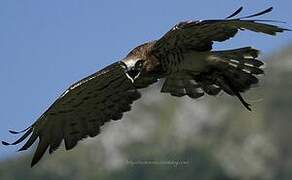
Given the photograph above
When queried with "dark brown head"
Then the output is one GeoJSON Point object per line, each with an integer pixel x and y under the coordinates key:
{"type": "Point", "coordinates": [138, 60]}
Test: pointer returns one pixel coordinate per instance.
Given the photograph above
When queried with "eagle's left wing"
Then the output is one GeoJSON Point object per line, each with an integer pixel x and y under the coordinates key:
{"type": "Point", "coordinates": [200, 35]}
{"type": "Point", "coordinates": [81, 110]}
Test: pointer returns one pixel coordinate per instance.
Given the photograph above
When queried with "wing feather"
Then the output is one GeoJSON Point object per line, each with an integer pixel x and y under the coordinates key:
{"type": "Point", "coordinates": [81, 110]}
{"type": "Point", "coordinates": [200, 35]}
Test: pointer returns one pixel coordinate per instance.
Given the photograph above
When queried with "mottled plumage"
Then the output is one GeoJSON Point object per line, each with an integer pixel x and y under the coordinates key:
{"type": "Point", "coordinates": [182, 57]}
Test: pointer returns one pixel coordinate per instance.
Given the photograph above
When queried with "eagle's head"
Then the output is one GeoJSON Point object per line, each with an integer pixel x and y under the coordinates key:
{"type": "Point", "coordinates": [134, 66]}
{"type": "Point", "coordinates": [138, 60]}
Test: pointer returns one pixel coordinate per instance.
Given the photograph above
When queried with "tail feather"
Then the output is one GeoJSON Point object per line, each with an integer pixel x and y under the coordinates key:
{"type": "Point", "coordinates": [192, 89]}
{"type": "Point", "coordinates": [240, 66]}
{"type": "Point", "coordinates": [210, 89]}
{"type": "Point", "coordinates": [180, 85]}
{"type": "Point", "coordinates": [233, 71]}
{"type": "Point", "coordinates": [237, 70]}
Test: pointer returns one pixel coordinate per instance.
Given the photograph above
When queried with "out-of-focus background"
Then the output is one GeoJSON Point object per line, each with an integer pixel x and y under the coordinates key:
{"type": "Point", "coordinates": [47, 45]}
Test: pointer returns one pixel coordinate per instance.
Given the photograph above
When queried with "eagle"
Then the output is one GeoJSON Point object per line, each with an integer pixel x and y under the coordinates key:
{"type": "Point", "coordinates": [183, 58]}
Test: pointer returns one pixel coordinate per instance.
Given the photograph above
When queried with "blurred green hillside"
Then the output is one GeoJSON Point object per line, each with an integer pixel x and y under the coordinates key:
{"type": "Point", "coordinates": [164, 137]}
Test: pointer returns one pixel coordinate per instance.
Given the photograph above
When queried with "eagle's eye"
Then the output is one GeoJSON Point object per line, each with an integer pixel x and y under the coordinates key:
{"type": "Point", "coordinates": [139, 64]}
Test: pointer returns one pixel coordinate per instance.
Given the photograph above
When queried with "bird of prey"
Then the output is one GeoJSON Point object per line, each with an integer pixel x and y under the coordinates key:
{"type": "Point", "coordinates": [183, 57]}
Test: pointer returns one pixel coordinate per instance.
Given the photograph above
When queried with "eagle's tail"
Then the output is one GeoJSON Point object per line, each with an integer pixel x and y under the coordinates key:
{"type": "Point", "coordinates": [232, 71]}
{"type": "Point", "coordinates": [235, 71]}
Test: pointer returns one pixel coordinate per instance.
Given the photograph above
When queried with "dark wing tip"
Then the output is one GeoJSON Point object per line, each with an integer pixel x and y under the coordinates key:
{"type": "Point", "coordinates": [36, 158]}
{"type": "Point", "coordinates": [18, 132]}
{"type": "Point", "coordinates": [40, 150]}
{"type": "Point", "coordinates": [23, 148]}
{"type": "Point", "coordinates": [258, 14]}
{"type": "Point", "coordinates": [5, 143]}
{"type": "Point", "coordinates": [285, 29]}
{"type": "Point", "coordinates": [22, 138]}
{"type": "Point", "coordinates": [14, 132]}
{"type": "Point", "coordinates": [235, 13]}
{"type": "Point", "coordinates": [33, 162]}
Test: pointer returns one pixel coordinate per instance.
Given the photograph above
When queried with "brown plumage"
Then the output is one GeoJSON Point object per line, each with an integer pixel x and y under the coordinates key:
{"type": "Point", "coordinates": [182, 57]}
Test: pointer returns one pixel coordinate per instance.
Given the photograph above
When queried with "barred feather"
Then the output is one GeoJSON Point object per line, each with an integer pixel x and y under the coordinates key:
{"type": "Point", "coordinates": [81, 111]}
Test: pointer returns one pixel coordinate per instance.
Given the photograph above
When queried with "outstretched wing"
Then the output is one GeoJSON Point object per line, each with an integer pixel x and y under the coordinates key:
{"type": "Point", "coordinates": [200, 35]}
{"type": "Point", "coordinates": [81, 110]}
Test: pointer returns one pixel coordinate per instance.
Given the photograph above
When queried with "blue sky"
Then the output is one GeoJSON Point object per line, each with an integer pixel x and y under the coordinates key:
{"type": "Point", "coordinates": [47, 45]}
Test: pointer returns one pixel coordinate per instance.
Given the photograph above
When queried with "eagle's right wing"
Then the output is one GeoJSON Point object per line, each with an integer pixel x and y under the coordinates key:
{"type": "Point", "coordinates": [81, 110]}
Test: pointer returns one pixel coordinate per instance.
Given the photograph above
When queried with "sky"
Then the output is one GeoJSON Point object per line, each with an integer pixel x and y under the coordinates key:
{"type": "Point", "coordinates": [47, 45]}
